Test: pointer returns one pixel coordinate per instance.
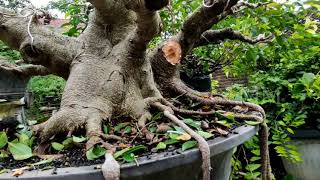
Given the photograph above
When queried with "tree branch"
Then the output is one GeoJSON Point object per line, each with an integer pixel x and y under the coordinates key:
{"type": "Point", "coordinates": [37, 44]}
{"type": "Point", "coordinates": [148, 24]}
{"type": "Point", "coordinates": [216, 36]}
{"type": "Point", "coordinates": [25, 70]}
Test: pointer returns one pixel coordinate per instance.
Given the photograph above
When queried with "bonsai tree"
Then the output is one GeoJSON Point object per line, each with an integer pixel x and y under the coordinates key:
{"type": "Point", "coordinates": [111, 72]}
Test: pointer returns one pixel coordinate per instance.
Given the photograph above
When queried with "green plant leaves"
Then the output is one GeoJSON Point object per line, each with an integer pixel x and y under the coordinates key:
{"type": "Point", "coordinates": [3, 139]}
{"type": "Point", "coordinates": [20, 151]}
{"type": "Point", "coordinates": [95, 152]}
{"type": "Point", "coordinates": [161, 146]}
{"type": "Point", "coordinates": [129, 150]}
{"type": "Point", "coordinates": [57, 146]}
{"type": "Point", "coordinates": [205, 135]}
{"type": "Point", "coordinates": [188, 145]}
{"type": "Point", "coordinates": [192, 123]}
{"type": "Point", "coordinates": [79, 139]}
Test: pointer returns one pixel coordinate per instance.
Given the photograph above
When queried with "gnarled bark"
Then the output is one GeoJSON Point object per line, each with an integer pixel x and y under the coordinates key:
{"type": "Point", "coordinates": [109, 71]}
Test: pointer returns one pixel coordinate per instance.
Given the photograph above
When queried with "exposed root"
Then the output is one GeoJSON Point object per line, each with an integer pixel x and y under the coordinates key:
{"type": "Point", "coordinates": [202, 143]}
{"type": "Point", "coordinates": [110, 168]}
{"type": "Point", "coordinates": [225, 102]}
{"type": "Point", "coordinates": [264, 151]}
{"type": "Point", "coordinates": [263, 132]}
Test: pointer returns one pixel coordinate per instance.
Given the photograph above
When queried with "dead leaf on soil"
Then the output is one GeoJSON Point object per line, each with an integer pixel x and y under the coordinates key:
{"type": "Point", "coordinates": [184, 137]}
{"type": "Point", "coordinates": [20, 171]}
{"type": "Point", "coordinates": [222, 132]}
{"type": "Point", "coordinates": [163, 128]}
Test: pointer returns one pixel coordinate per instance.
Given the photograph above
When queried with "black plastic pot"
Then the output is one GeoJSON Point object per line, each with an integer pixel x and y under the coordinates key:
{"type": "Point", "coordinates": [200, 83]}
{"type": "Point", "coordinates": [161, 166]}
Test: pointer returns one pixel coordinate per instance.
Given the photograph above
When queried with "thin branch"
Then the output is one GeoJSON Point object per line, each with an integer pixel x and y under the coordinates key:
{"type": "Point", "coordinates": [216, 36]}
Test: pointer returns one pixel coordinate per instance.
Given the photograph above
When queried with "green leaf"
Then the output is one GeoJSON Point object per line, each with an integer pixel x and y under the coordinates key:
{"type": "Point", "coordinates": [252, 123]}
{"type": "Point", "coordinates": [252, 167]}
{"type": "Point", "coordinates": [67, 143]}
{"type": "Point", "coordinates": [78, 139]}
{"type": "Point", "coordinates": [171, 141]}
{"type": "Point", "coordinates": [188, 145]}
{"type": "Point", "coordinates": [129, 150]}
{"type": "Point", "coordinates": [95, 152]}
{"type": "Point", "coordinates": [57, 146]}
{"type": "Point", "coordinates": [20, 151]}
{"type": "Point", "coordinates": [161, 145]}
{"type": "Point", "coordinates": [290, 130]}
{"type": "Point", "coordinates": [120, 126]}
{"type": "Point", "coordinates": [127, 130]}
{"type": "Point", "coordinates": [106, 129]}
{"type": "Point", "coordinates": [191, 122]}
{"type": "Point", "coordinates": [128, 157]}
{"type": "Point", "coordinates": [307, 79]}
{"type": "Point", "coordinates": [3, 139]}
{"type": "Point", "coordinates": [204, 134]}
{"type": "Point", "coordinates": [4, 154]}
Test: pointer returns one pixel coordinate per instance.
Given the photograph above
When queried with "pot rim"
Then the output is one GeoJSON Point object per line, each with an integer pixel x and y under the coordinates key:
{"type": "Point", "coordinates": [158, 162]}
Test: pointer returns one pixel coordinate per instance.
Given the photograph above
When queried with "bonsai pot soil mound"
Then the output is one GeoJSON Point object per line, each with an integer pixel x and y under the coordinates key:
{"type": "Point", "coordinates": [171, 164]}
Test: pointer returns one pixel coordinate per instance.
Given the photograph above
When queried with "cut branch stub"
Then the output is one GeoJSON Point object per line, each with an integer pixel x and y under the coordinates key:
{"type": "Point", "coordinates": [172, 52]}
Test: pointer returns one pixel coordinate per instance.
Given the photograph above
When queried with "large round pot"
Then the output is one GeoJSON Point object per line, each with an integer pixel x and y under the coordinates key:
{"type": "Point", "coordinates": [308, 144]}
{"type": "Point", "coordinates": [160, 166]}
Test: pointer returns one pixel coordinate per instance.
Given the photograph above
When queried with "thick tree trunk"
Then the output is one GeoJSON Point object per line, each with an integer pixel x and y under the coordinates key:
{"type": "Point", "coordinates": [109, 71]}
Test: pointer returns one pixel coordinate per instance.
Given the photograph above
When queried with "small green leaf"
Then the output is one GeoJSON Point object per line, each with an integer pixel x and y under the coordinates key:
{"type": "Point", "coordinates": [106, 129]}
{"type": "Point", "coordinates": [127, 130]}
{"type": "Point", "coordinates": [2, 171]}
{"type": "Point", "coordinates": [204, 134]}
{"type": "Point", "coordinates": [252, 167]}
{"type": "Point", "coordinates": [67, 143]}
{"type": "Point", "coordinates": [128, 150]}
{"type": "Point", "coordinates": [171, 141]}
{"type": "Point", "coordinates": [252, 123]}
{"type": "Point", "coordinates": [20, 151]}
{"type": "Point", "coordinates": [161, 145]}
{"type": "Point", "coordinates": [128, 157]}
{"type": "Point", "coordinates": [188, 145]}
{"type": "Point", "coordinates": [57, 146]}
{"type": "Point", "coordinates": [78, 139]}
{"type": "Point", "coordinates": [290, 130]}
{"type": "Point", "coordinates": [95, 152]}
{"type": "Point", "coordinates": [120, 126]}
{"type": "Point", "coordinates": [195, 124]}
{"type": "Point", "coordinates": [4, 154]}
{"type": "Point", "coordinates": [3, 139]}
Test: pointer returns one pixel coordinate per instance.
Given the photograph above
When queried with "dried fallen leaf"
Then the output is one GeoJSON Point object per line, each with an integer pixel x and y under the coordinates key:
{"type": "Point", "coordinates": [184, 137]}
{"type": "Point", "coordinates": [149, 136]}
{"type": "Point", "coordinates": [172, 52]}
{"type": "Point", "coordinates": [163, 128]}
{"type": "Point", "coordinates": [222, 132]}
{"type": "Point", "coordinates": [122, 145]}
{"type": "Point", "coordinates": [20, 171]}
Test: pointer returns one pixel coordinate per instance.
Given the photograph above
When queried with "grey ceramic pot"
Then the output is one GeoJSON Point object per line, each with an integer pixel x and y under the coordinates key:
{"type": "Point", "coordinates": [169, 166]}
{"type": "Point", "coordinates": [308, 144]}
